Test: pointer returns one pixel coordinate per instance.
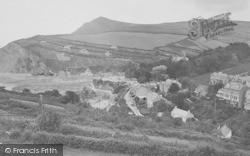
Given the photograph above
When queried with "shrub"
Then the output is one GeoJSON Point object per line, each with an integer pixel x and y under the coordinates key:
{"type": "Point", "coordinates": [49, 121]}
{"type": "Point", "coordinates": [16, 134]}
{"type": "Point", "coordinates": [125, 127]}
{"type": "Point", "coordinates": [106, 145]}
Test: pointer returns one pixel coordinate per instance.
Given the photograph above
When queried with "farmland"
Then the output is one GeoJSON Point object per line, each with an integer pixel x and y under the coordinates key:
{"type": "Point", "coordinates": [128, 39]}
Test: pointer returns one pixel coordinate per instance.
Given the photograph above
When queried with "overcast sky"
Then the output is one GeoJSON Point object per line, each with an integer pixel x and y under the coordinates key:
{"type": "Point", "coordinates": [26, 18]}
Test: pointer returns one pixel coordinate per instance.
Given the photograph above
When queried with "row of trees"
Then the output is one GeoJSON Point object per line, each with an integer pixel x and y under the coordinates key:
{"type": "Point", "coordinates": [209, 61]}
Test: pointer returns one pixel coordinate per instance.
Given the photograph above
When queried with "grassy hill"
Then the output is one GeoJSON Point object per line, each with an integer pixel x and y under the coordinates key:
{"type": "Point", "coordinates": [103, 25]}
{"type": "Point", "coordinates": [128, 39]}
{"type": "Point", "coordinates": [168, 38]}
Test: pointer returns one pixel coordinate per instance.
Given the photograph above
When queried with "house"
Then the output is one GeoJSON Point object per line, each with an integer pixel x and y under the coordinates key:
{"type": "Point", "coordinates": [219, 77]}
{"type": "Point", "coordinates": [200, 91]}
{"type": "Point", "coordinates": [233, 93]}
{"type": "Point", "coordinates": [224, 132]}
{"type": "Point", "coordinates": [179, 58]}
{"type": "Point", "coordinates": [114, 47]}
{"type": "Point", "coordinates": [179, 113]}
{"type": "Point", "coordinates": [247, 100]}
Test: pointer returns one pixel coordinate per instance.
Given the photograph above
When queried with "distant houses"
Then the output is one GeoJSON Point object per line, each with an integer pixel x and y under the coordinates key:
{"type": "Point", "coordinates": [180, 113]}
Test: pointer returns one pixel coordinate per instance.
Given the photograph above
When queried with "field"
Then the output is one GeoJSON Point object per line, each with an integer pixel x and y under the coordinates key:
{"type": "Point", "coordinates": [127, 39]}
{"type": "Point", "coordinates": [42, 83]}
{"type": "Point", "coordinates": [239, 69]}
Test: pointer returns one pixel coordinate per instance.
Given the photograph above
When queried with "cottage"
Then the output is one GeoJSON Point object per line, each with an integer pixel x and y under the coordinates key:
{"type": "Point", "coordinates": [179, 113]}
{"type": "Point", "coordinates": [200, 91]}
{"type": "Point", "coordinates": [114, 47]}
{"type": "Point", "coordinates": [224, 132]}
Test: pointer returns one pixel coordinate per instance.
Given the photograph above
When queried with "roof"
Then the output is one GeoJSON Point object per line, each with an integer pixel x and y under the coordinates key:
{"type": "Point", "coordinates": [181, 112]}
{"type": "Point", "coordinates": [225, 130]}
{"type": "Point", "coordinates": [201, 87]}
{"type": "Point", "coordinates": [141, 92]}
{"type": "Point", "coordinates": [248, 93]}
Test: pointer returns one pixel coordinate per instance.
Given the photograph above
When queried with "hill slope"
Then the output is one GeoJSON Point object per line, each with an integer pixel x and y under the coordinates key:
{"type": "Point", "coordinates": [165, 37]}
{"type": "Point", "coordinates": [103, 25]}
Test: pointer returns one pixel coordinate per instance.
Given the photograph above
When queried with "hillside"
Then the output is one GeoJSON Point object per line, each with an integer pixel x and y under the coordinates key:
{"type": "Point", "coordinates": [103, 25]}
{"type": "Point", "coordinates": [88, 45]}
{"type": "Point", "coordinates": [40, 54]}
{"type": "Point", "coordinates": [128, 39]}
{"type": "Point", "coordinates": [168, 38]}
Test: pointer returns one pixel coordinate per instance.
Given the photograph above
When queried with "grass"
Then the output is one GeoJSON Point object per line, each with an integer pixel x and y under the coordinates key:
{"type": "Point", "coordinates": [127, 39]}
{"type": "Point", "coordinates": [239, 69]}
{"type": "Point", "coordinates": [84, 152]}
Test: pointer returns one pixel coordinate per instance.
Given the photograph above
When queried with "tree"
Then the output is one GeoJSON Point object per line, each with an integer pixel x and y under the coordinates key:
{"type": "Point", "coordinates": [54, 93]}
{"type": "Point", "coordinates": [26, 91]}
{"type": "Point", "coordinates": [174, 88]}
{"type": "Point", "coordinates": [70, 97]}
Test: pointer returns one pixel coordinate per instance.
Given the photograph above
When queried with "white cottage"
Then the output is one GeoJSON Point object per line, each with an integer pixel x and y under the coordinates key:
{"type": "Point", "coordinates": [180, 113]}
{"type": "Point", "coordinates": [224, 132]}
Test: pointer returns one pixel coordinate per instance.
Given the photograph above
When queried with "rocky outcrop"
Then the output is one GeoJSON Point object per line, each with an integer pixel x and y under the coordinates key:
{"type": "Point", "coordinates": [15, 59]}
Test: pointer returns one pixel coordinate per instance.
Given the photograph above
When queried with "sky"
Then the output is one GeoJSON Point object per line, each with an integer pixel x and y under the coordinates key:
{"type": "Point", "coordinates": [26, 18]}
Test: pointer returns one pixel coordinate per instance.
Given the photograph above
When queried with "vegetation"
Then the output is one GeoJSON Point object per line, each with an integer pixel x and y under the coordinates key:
{"type": "Point", "coordinates": [209, 61]}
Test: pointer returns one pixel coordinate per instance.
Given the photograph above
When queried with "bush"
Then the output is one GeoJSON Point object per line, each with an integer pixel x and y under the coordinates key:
{"type": "Point", "coordinates": [70, 97]}
{"type": "Point", "coordinates": [125, 127]}
{"type": "Point", "coordinates": [106, 145]}
{"type": "Point", "coordinates": [16, 134]}
{"type": "Point", "coordinates": [49, 121]}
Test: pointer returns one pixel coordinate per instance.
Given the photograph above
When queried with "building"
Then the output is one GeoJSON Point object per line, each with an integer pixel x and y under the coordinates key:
{"type": "Point", "coordinates": [179, 58]}
{"type": "Point", "coordinates": [233, 93]}
{"type": "Point", "coordinates": [224, 132]}
{"type": "Point", "coordinates": [179, 113]}
{"type": "Point", "coordinates": [200, 91]}
{"type": "Point", "coordinates": [219, 77]}
{"type": "Point", "coordinates": [114, 47]}
{"type": "Point", "coordinates": [247, 100]}
{"type": "Point", "coordinates": [143, 93]}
